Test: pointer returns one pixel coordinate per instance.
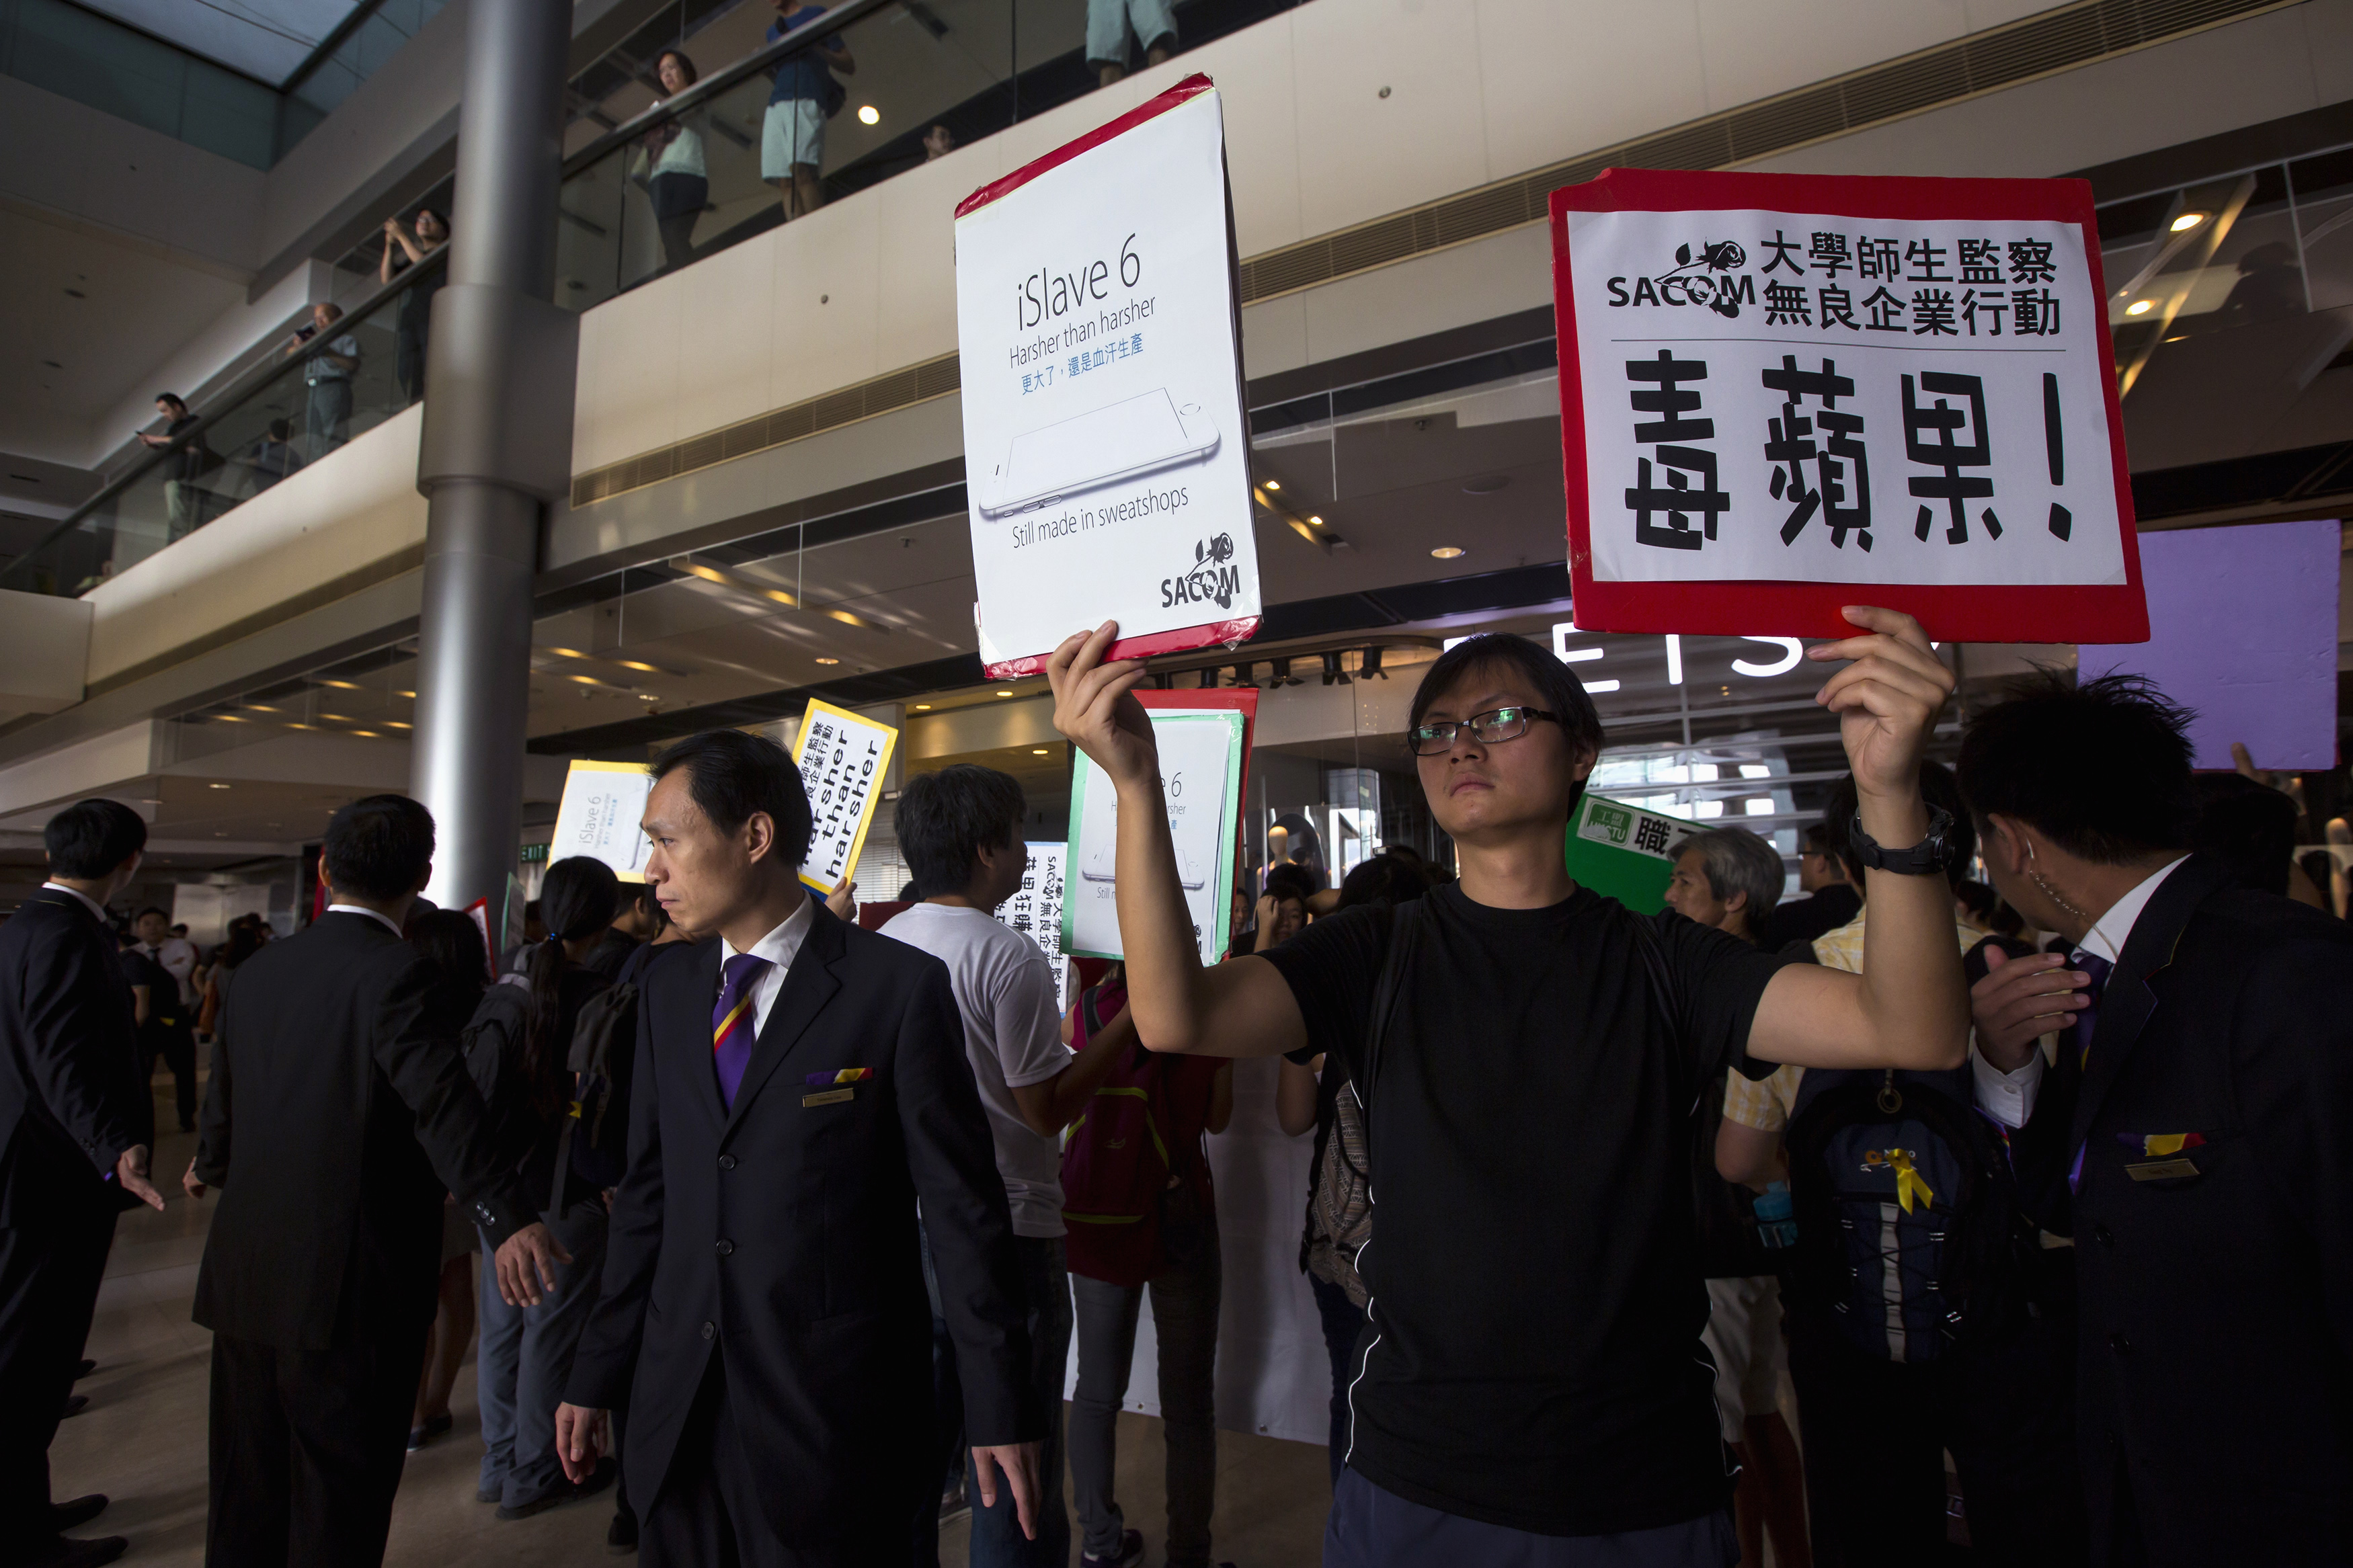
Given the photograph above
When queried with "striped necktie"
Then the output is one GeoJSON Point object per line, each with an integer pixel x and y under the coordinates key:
{"type": "Point", "coordinates": [733, 1025]}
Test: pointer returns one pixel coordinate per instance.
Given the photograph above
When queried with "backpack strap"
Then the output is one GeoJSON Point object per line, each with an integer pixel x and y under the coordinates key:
{"type": "Point", "coordinates": [1407, 922]}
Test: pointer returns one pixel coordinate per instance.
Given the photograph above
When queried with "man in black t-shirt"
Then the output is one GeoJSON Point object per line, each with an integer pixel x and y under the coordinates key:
{"type": "Point", "coordinates": [1531, 1376]}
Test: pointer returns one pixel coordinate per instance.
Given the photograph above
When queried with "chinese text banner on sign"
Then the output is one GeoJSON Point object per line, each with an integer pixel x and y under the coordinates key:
{"type": "Point", "coordinates": [1774, 395]}
{"type": "Point", "coordinates": [1104, 434]}
{"type": "Point", "coordinates": [843, 759]}
{"type": "Point", "coordinates": [1035, 911]}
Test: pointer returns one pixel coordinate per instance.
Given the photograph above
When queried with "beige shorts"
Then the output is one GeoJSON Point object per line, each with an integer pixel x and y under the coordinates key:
{"type": "Point", "coordinates": [1744, 1335]}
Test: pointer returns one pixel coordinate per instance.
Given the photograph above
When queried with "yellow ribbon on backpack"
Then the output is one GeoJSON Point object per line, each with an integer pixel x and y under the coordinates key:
{"type": "Point", "coordinates": [1908, 1182]}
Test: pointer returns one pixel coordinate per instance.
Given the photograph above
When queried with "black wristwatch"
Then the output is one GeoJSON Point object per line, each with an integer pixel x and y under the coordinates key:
{"type": "Point", "coordinates": [1929, 858]}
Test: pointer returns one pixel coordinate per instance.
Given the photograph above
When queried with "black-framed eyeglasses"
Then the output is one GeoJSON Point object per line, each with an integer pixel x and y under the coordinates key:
{"type": "Point", "coordinates": [1498, 724]}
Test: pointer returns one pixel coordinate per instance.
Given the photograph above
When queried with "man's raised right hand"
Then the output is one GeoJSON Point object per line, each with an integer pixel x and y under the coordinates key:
{"type": "Point", "coordinates": [1096, 710]}
{"type": "Point", "coordinates": [582, 1435]}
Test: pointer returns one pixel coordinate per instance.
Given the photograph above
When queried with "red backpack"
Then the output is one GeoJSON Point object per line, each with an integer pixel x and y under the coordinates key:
{"type": "Point", "coordinates": [1116, 1161]}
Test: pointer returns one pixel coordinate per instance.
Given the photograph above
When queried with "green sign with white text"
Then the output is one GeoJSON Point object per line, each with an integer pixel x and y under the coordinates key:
{"type": "Point", "coordinates": [1624, 852]}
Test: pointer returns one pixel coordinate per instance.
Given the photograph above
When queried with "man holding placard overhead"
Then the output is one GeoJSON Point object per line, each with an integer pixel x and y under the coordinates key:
{"type": "Point", "coordinates": [1528, 1051]}
{"type": "Point", "coordinates": [800, 1085]}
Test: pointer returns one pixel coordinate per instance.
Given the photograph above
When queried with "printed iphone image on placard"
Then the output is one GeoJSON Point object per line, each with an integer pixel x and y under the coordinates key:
{"type": "Point", "coordinates": [1105, 448]}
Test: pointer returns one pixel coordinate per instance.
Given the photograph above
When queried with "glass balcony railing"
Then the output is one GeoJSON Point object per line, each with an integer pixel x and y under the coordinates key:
{"type": "Point", "coordinates": [2231, 305]}
{"type": "Point", "coordinates": [338, 382]}
{"type": "Point", "coordinates": [847, 100]}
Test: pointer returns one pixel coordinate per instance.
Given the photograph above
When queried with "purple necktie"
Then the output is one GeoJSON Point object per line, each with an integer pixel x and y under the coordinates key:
{"type": "Point", "coordinates": [733, 1025]}
{"type": "Point", "coordinates": [2086, 1021]}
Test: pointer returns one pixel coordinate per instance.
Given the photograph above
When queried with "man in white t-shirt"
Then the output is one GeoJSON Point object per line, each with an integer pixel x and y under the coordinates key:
{"type": "Point", "coordinates": [960, 832]}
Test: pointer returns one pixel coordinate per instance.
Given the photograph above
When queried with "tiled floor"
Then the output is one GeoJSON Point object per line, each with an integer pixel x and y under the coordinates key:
{"type": "Point", "coordinates": [142, 1441]}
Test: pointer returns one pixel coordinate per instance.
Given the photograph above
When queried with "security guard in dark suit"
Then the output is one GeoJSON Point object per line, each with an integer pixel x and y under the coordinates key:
{"type": "Point", "coordinates": [2194, 1134]}
{"type": "Point", "coordinates": [73, 1155]}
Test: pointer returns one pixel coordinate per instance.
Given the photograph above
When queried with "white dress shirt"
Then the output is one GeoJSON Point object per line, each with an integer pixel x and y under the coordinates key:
{"type": "Point", "coordinates": [2009, 1097]}
{"type": "Point", "coordinates": [377, 915]}
{"type": "Point", "coordinates": [92, 905]}
{"type": "Point", "coordinates": [778, 948]}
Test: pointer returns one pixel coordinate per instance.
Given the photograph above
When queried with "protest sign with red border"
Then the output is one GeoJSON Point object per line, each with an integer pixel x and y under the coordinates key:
{"type": "Point", "coordinates": [2064, 565]}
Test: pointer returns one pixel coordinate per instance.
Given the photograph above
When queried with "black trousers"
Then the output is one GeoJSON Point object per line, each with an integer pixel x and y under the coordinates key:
{"type": "Point", "coordinates": [177, 1046]}
{"type": "Point", "coordinates": [307, 1447]}
{"type": "Point", "coordinates": [1876, 1431]}
{"type": "Point", "coordinates": [707, 1514]}
{"type": "Point", "coordinates": [49, 1288]}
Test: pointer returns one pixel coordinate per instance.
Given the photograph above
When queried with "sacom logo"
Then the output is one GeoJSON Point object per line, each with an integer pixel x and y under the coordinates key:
{"type": "Point", "coordinates": [1213, 580]}
{"type": "Point", "coordinates": [1707, 279]}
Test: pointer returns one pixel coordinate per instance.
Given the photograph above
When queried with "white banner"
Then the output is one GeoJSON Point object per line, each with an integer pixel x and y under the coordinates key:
{"type": "Point", "coordinates": [1797, 396]}
{"type": "Point", "coordinates": [1036, 912]}
{"type": "Point", "coordinates": [599, 818]}
{"type": "Point", "coordinates": [1107, 452]}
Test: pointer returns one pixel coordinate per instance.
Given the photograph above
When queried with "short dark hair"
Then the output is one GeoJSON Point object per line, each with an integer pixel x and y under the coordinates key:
{"type": "Point", "coordinates": [731, 775]}
{"type": "Point", "coordinates": [2099, 767]}
{"type": "Point", "coordinates": [91, 838]}
{"type": "Point", "coordinates": [164, 915]}
{"type": "Point", "coordinates": [1288, 880]}
{"type": "Point", "coordinates": [378, 847]}
{"type": "Point", "coordinates": [2249, 826]}
{"type": "Point", "coordinates": [1818, 839]}
{"type": "Point", "coordinates": [946, 819]}
{"type": "Point", "coordinates": [1937, 787]}
{"type": "Point", "coordinates": [1556, 686]}
{"type": "Point", "coordinates": [1387, 880]}
{"type": "Point", "coordinates": [174, 398]}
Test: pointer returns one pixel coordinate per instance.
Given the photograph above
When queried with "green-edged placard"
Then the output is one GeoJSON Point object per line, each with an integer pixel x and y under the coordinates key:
{"type": "Point", "coordinates": [1624, 852]}
{"type": "Point", "coordinates": [1200, 779]}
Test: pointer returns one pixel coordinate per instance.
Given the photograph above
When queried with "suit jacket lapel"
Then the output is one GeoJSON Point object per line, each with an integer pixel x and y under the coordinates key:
{"type": "Point", "coordinates": [699, 978]}
{"type": "Point", "coordinates": [2129, 1004]}
{"type": "Point", "coordinates": [809, 984]}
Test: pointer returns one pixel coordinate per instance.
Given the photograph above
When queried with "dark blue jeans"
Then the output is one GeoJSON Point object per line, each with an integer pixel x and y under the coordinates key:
{"type": "Point", "coordinates": [996, 1537]}
{"type": "Point", "coordinates": [1343, 1322]}
{"type": "Point", "coordinates": [1370, 1528]}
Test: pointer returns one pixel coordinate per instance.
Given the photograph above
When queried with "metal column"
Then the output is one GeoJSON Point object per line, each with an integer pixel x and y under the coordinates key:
{"type": "Point", "coordinates": [497, 443]}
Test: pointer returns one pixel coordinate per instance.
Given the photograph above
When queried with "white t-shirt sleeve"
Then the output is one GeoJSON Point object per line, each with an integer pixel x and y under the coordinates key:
{"type": "Point", "coordinates": [1029, 1025]}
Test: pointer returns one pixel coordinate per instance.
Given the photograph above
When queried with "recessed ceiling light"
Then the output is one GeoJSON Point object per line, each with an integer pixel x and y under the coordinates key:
{"type": "Point", "coordinates": [371, 734]}
{"type": "Point", "coordinates": [2186, 222]}
{"type": "Point", "coordinates": [342, 685]}
{"type": "Point", "coordinates": [922, 707]}
{"type": "Point", "coordinates": [2140, 307]}
{"type": "Point", "coordinates": [868, 115]}
{"type": "Point", "coordinates": [217, 787]}
{"type": "Point", "coordinates": [822, 659]}
{"type": "Point", "coordinates": [1275, 484]}
{"type": "Point", "coordinates": [1316, 520]}
{"type": "Point", "coordinates": [411, 695]}
{"type": "Point", "coordinates": [340, 718]}
{"type": "Point", "coordinates": [260, 707]}
{"type": "Point", "coordinates": [1005, 694]}
{"type": "Point", "coordinates": [1040, 751]}
{"type": "Point", "coordinates": [568, 652]}
{"type": "Point", "coordinates": [398, 724]}
{"type": "Point", "coordinates": [633, 664]}
{"type": "Point", "coordinates": [1447, 552]}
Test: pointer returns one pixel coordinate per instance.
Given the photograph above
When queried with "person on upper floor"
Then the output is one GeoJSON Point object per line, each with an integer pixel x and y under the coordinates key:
{"type": "Point", "coordinates": [1525, 1047]}
{"type": "Point", "coordinates": [2193, 1134]}
{"type": "Point", "coordinates": [670, 163]}
{"type": "Point", "coordinates": [804, 96]}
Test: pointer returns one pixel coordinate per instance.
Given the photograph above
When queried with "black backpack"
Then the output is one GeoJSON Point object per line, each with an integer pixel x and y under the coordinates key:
{"type": "Point", "coordinates": [492, 1044]}
{"type": "Point", "coordinates": [1908, 1232]}
{"type": "Point", "coordinates": [596, 1139]}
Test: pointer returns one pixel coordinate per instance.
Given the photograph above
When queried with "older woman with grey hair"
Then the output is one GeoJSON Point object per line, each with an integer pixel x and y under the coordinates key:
{"type": "Point", "coordinates": [1728, 878]}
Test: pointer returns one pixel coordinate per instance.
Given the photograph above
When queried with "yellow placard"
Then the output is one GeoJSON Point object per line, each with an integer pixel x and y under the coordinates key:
{"type": "Point", "coordinates": [843, 757]}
